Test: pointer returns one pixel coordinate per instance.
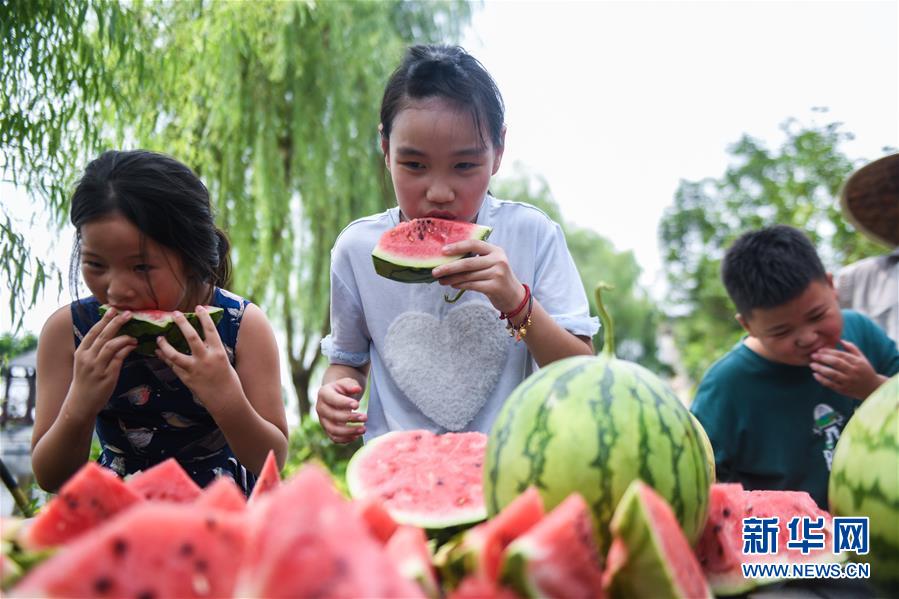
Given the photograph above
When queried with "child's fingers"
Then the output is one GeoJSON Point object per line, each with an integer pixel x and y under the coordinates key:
{"type": "Point", "coordinates": [344, 433]}
{"type": "Point", "coordinates": [106, 328]}
{"type": "Point", "coordinates": [851, 347]}
{"type": "Point", "coordinates": [171, 356]}
{"type": "Point", "coordinates": [347, 386]}
{"type": "Point", "coordinates": [115, 364]}
{"type": "Point", "coordinates": [210, 333]}
{"type": "Point", "coordinates": [190, 334]}
{"type": "Point", "coordinates": [468, 246]}
{"type": "Point", "coordinates": [108, 360]}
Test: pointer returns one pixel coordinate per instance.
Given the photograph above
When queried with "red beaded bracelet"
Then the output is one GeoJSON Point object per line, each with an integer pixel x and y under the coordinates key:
{"type": "Point", "coordinates": [524, 302]}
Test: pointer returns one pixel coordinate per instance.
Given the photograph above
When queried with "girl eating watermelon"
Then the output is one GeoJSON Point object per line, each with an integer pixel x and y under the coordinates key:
{"type": "Point", "coordinates": [436, 364]}
{"type": "Point", "coordinates": [146, 240]}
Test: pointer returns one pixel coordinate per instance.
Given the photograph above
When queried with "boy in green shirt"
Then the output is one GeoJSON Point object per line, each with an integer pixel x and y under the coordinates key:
{"type": "Point", "coordinates": [774, 406]}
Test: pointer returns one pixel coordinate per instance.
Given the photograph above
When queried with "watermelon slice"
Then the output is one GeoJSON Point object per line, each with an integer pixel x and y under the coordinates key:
{"type": "Point", "coordinates": [165, 481]}
{"type": "Point", "coordinates": [378, 519]}
{"type": "Point", "coordinates": [650, 556]}
{"type": "Point", "coordinates": [93, 495]}
{"type": "Point", "coordinates": [558, 556]}
{"type": "Point", "coordinates": [408, 549]}
{"type": "Point", "coordinates": [423, 479]}
{"type": "Point", "coordinates": [153, 550]}
{"type": "Point", "coordinates": [147, 325]}
{"type": "Point", "coordinates": [269, 478]}
{"type": "Point", "coordinates": [720, 547]}
{"type": "Point", "coordinates": [222, 494]}
{"type": "Point", "coordinates": [481, 549]}
{"type": "Point", "coordinates": [411, 250]}
{"type": "Point", "coordinates": [306, 540]}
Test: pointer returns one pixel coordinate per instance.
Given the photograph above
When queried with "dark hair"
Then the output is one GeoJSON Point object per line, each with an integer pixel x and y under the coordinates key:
{"type": "Point", "coordinates": [437, 71]}
{"type": "Point", "coordinates": [164, 199]}
{"type": "Point", "coordinates": [769, 267]}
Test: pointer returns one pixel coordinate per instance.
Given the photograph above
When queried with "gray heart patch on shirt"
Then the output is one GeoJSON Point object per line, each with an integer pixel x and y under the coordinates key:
{"type": "Point", "coordinates": [448, 368]}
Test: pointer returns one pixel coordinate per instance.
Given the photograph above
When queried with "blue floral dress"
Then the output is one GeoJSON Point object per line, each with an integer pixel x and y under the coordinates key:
{"type": "Point", "coordinates": [152, 416]}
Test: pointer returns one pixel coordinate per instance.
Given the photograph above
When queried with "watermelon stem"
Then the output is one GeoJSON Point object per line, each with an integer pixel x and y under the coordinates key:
{"type": "Point", "coordinates": [447, 299]}
{"type": "Point", "coordinates": [608, 346]}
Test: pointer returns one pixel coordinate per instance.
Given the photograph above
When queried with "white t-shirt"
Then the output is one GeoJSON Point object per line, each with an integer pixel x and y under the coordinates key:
{"type": "Point", "coordinates": [436, 365]}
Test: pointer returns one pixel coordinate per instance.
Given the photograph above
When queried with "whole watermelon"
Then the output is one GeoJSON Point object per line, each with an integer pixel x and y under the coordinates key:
{"type": "Point", "coordinates": [864, 480]}
{"type": "Point", "coordinates": [593, 424]}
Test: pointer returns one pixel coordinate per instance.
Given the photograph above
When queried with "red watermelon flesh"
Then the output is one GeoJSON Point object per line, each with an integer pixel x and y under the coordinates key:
{"type": "Point", "coordinates": [308, 541]}
{"type": "Point", "coordinates": [649, 555]}
{"type": "Point", "coordinates": [475, 587]}
{"type": "Point", "coordinates": [720, 547]}
{"type": "Point", "coordinates": [482, 547]}
{"type": "Point", "coordinates": [92, 496]}
{"type": "Point", "coordinates": [166, 481]}
{"type": "Point", "coordinates": [379, 522]}
{"type": "Point", "coordinates": [423, 479]}
{"type": "Point", "coordinates": [153, 550]}
{"type": "Point", "coordinates": [558, 556]}
{"type": "Point", "coordinates": [269, 478]}
{"type": "Point", "coordinates": [408, 549]}
{"type": "Point", "coordinates": [222, 494]}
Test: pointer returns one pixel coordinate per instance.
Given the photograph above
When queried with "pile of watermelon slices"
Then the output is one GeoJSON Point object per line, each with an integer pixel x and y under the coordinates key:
{"type": "Point", "coordinates": [158, 535]}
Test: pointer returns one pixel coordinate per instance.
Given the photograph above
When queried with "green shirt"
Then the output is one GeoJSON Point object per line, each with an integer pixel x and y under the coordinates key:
{"type": "Point", "coordinates": [773, 426]}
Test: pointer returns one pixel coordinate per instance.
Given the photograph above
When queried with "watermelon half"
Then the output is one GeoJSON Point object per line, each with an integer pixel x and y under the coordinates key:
{"type": "Point", "coordinates": [411, 250]}
{"type": "Point", "coordinates": [423, 479]}
{"type": "Point", "coordinates": [650, 557]}
{"type": "Point", "coordinates": [147, 325]}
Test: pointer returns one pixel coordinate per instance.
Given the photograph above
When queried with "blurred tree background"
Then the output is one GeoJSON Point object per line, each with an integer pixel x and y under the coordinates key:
{"type": "Point", "coordinates": [275, 105]}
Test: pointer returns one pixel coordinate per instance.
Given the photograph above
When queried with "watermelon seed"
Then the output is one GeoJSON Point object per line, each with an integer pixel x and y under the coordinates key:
{"type": "Point", "coordinates": [102, 585]}
{"type": "Point", "coordinates": [186, 549]}
{"type": "Point", "coordinates": [119, 547]}
{"type": "Point", "coordinates": [716, 528]}
{"type": "Point", "coordinates": [148, 594]}
{"type": "Point", "coordinates": [71, 501]}
{"type": "Point", "coordinates": [201, 565]}
{"type": "Point", "coordinates": [726, 512]}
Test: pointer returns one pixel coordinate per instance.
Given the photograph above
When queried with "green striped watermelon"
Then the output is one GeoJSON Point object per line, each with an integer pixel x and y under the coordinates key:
{"type": "Point", "coordinates": [592, 425]}
{"type": "Point", "coordinates": [864, 480]}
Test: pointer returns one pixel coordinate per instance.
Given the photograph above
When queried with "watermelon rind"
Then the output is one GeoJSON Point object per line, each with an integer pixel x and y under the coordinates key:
{"type": "Point", "coordinates": [458, 516]}
{"type": "Point", "coordinates": [405, 269]}
{"type": "Point", "coordinates": [647, 569]}
{"type": "Point", "coordinates": [592, 425]}
{"type": "Point", "coordinates": [146, 326]}
{"type": "Point", "coordinates": [481, 547]}
{"type": "Point", "coordinates": [864, 481]}
{"type": "Point", "coordinates": [557, 556]}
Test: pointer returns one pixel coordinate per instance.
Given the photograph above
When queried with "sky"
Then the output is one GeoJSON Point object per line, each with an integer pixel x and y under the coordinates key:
{"type": "Point", "coordinates": [613, 103]}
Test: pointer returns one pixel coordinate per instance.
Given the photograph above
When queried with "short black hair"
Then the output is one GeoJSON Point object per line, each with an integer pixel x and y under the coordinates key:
{"type": "Point", "coordinates": [768, 267]}
{"type": "Point", "coordinates": [448, 72]}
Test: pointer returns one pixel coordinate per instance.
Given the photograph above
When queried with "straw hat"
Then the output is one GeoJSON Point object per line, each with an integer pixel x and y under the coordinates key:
{"type": "Point", "coordinates": [870, 200]}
